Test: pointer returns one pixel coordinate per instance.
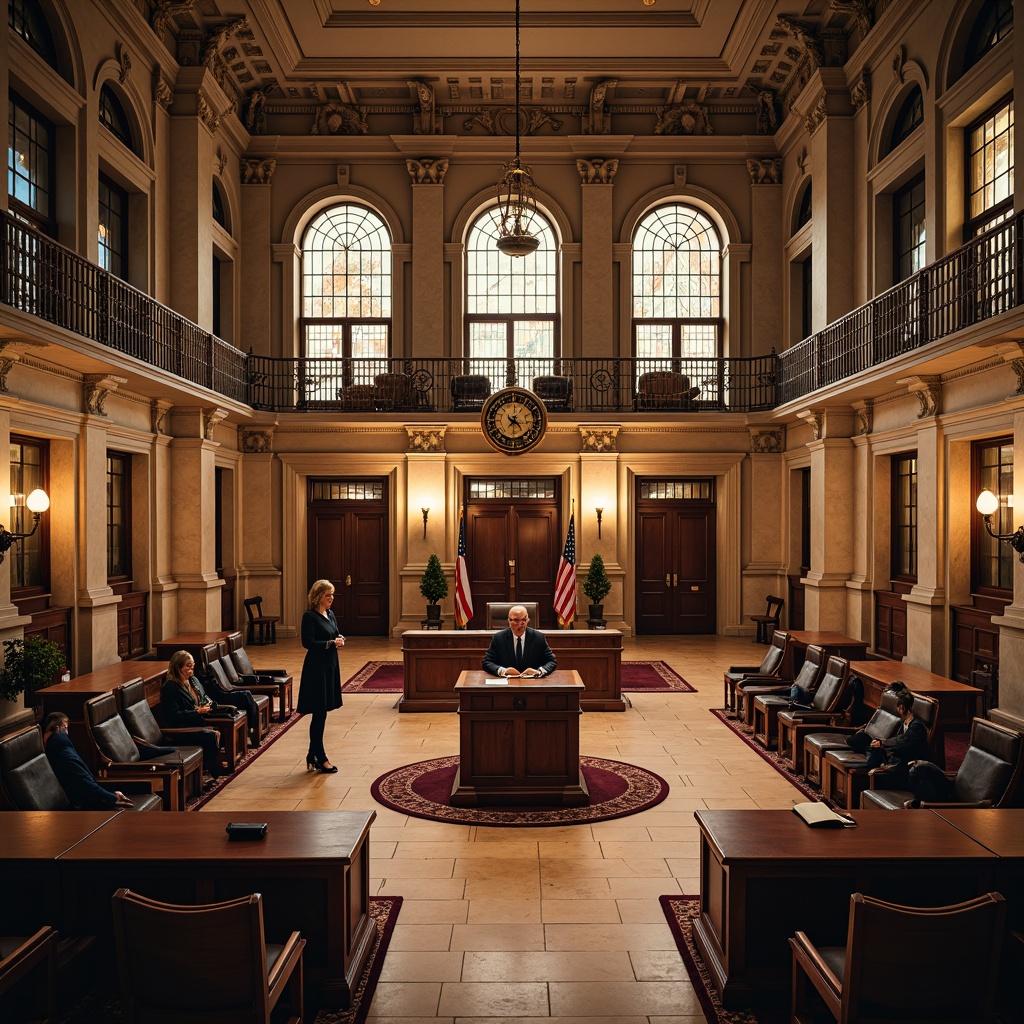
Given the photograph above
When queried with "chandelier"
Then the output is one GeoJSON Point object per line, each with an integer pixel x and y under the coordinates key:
{"type": "Point", "coordinates": [517, 203]}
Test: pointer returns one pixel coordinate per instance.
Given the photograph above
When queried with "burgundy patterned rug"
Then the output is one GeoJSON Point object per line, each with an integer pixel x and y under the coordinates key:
{"type": "Point", "coordinates": [637, 677]}
{"type": "Point", "coordinates": [422, 790]}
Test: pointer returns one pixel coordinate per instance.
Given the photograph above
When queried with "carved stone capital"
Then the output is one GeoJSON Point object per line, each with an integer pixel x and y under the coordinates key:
{"type": "Point", "coordinates": [158, 412]}
{"type": "Point", "coordinates": [683, 119]}
{"type": "Point", "coordinates": [426, 439]}
{"type": "Point", "coordinates": [813, 419]}
{"type": "Point", "coordinates": [597, 171]}
{"type": "Point", "coordinates": [861, 91]}
{"type": "Point", "coordinates": [765, 171]}
{"type": "Point", "coordinates": [257, 172]}
{"type": "Point", "coordinates": [599, 439]}
{"type": "Point", "coordinates": [207, 114]}
{"type": "Point", "coordinates": [814, 118]}
{"type": "Point", "coordinates": [257, 442]}
{"type": "Point", "coordinates": [164, 10]}
{"type": "Point", "coordinates": [427, 171]}
{"type": "Point", "coordinates": [339, 119]}
{"type": "Point", "coordinates": [425, 121]}
{"type": "Point", "coordinates": [163, 94]}
{"type": "Point", "coordinates": [865, 414]}
{"type": "Point", "coordinates": [212, 419]}
{"type": "Point", "coordinates": [96, 387]}
{"type": "Point", "coordinates": [928, 389]}
{"type": "Point", "coordinates": [765, 441]}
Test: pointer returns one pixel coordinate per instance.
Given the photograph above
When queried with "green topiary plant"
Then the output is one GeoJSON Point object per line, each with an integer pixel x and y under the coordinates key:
{"type": "Point", "coordinates": [29, 665]}
{"type": "Point", "coordinates": [596, 584]}
{"type": "Point", "coordinates": [433, 585]}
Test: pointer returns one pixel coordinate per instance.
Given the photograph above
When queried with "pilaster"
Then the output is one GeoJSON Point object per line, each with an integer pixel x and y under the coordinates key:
{"type": "Point", "coordinates": [596, 176]}
{"type": "Point", "coordinates": [255, 264]}
{"type": "Point", "coordinates": [428, 291]}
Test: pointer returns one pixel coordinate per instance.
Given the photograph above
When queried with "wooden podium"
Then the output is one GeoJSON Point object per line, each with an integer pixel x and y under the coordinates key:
{"type": "Point", "coordinates": [519, 741]}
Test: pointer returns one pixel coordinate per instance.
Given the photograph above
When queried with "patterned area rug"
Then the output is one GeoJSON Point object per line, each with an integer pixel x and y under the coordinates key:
{"type": "Point", "coordinates": [104, 1007]}
{"type": "Point", "coordinates": [422, 790]}
{"type": "Point", "coordinates": [637, 677]}
{"type": "Point", "coordinates": [680, 912]}
{"type": "Point", "coordinates": [277, 730]}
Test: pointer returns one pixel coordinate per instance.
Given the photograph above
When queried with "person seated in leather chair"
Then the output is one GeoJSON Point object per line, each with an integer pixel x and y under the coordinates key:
{"type": "Point", "coordinates": [894, 755]}
{"type": "Point", "coordinates": [519, 651]}
{"type": "Point", "coordinates": [79, 785]}
{"type": "Point", "coordinates": [184, 703]}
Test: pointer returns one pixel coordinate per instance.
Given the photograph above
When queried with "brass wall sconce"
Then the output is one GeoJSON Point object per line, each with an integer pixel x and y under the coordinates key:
{"type": "Point", "coordinates": [37, 503]}
{"type": "Point", "coordinates": [988, 504]}
{"type": "Point", "coordinates": [600, 512]}
{"type": "Point", "coordinates": [426, 514]}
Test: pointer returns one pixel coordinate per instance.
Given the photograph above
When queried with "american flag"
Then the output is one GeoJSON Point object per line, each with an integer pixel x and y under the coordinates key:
{"type": "Point", "coordinates": [463, 595]}
{"type": "Point", "coordinates": [565, 579]}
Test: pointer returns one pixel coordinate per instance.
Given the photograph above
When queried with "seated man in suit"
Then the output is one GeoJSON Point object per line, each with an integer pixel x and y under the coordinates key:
{"type": "Point", "coordinates": [894, 755]}
{"type": "Point", "coordinates": [78, 783]}
{"type": "Point", "coordinates": [519, 651]}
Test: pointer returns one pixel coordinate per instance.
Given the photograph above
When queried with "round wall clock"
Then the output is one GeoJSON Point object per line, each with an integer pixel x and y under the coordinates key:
{"type": "Point", "coordinates": [513, 420]}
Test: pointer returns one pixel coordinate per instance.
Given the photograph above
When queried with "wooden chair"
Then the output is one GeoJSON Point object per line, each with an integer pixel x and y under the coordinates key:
{"type": "Point", "coordinates": [206, 964]}
{"type": "Point", "coordinates": [28, 976]}
{"type": "Point", "coordinates": [769, 622]}
{"type": "Point", "coordinates": [988, 776]}
{"type": "Point", "coordinates": [262, 628]}
{"type": "Point", "coordinates": [935, 964]}
{"type": "Point", "coordinates": [766, 704]}
{"type": "Point", "coordinates": [767, 672]}
{"type": "Point", "coordinates": [796, 723]}
{"type": "Point", "coordinates": [267, 679]}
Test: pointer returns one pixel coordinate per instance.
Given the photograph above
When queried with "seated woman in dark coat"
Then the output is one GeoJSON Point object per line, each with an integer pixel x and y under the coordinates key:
{"type": "Point", "coordinates": [184, 702]}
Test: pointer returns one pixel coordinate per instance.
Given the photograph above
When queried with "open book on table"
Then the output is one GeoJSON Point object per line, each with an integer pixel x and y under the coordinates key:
{"type": "Point", "coordinates": [818, 815]}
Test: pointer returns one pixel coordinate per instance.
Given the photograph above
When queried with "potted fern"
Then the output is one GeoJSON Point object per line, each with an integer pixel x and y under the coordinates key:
{"type": "Point", "coordinates": [30, 663]}
{"type": "Point", "coordinates": [596, 586]}
{"type": "Point", "coordinates": [434, 587]}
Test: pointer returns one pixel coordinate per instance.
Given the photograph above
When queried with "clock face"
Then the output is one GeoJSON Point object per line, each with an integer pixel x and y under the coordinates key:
{"type": "Point", "coordinates": [513, 420]}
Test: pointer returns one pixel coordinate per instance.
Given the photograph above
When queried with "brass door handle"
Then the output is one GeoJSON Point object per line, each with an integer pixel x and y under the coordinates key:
{"type": "Point", "coordinates": [348, 581]}
{"type": "Point", "coordinates": [668, 580]}
{"type": "Point", "coordinates": [675, 579]}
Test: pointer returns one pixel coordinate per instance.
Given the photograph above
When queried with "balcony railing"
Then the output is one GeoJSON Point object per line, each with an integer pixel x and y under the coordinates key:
{"type": "Point", "coordinates": [980, 280]}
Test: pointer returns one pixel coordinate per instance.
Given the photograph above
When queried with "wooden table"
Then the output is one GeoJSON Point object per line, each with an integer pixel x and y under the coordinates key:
{"type": "Point", "coordinates": [434, 658]}
{"type": "Point", "coordinates": [194, 643]}
{"type": "Point", "coordinates": [69, 698]}
{"type": "Point", "coordinates": [958, 702]}
{"type": "Point", "coordinates": [835, 644]}
{"type": "Point", "coordinates": [519, 741]}
{"type": "Point", "coordinates": [765, 875]}
{"type": "Point", "coordinates": [313, 870]}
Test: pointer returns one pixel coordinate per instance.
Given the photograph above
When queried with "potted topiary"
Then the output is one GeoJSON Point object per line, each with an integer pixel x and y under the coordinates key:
{"type": "Point", "coordinates": [434, 587]}
{"type": "Point", "coordinates": [596, 586]}
{"type": "Point", "coordinates": [30, 663]}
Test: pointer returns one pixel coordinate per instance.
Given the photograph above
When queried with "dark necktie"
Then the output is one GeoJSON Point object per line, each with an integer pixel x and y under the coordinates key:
{"type": "Point", "coordinates": [519, 652]}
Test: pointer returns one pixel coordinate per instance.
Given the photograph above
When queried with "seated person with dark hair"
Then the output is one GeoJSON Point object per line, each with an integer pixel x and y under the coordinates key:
{"type": "Point", "coordinates": [78, 783]}
{"type": "Point", "coordinates": [184, 703]}
{"type": "Point", "coordinates": [895, 754]}
{"type": "Point", "coordinates": [519, 651]}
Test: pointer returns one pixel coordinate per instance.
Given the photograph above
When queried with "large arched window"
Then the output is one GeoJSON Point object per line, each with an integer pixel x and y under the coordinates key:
{"type": "Point", "coordinates": [511, 305]}
{"type": "Point", "coordinates": [346, 299]}
{"type": "Point", "coordinates": [677, 258]}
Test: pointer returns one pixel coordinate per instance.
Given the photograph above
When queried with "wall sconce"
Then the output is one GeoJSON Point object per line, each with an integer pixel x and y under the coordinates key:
{"type": "Point", "coordinates": [600, 512]}
{"type": "Point", "coordinates": [426, 514]}
{"type": "Point", "coordinates": [37, 503]}
{"type": "Point", "coordinates": [988, 504]}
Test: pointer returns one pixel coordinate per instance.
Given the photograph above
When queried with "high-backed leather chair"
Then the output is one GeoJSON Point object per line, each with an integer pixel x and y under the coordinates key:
{"type": "Point", "coordinates": [470, 391]}
{"type": "Point", "coordinates": [27, 782]}
{"type": "Point", "coordinates": [988, 776]}
{"type": "Point", "coordinates": [116, 753]}
{"type": "Point", "coordinates": [219, 674]}
{"type": "Point", "coordinates": [764, 705]}
{"type": "Point", "coordinates": [279, 679]}
{"type": "Point", "coordinates": [767, 673]}
{"type": "Point", "coordinates": [497, 613]}
{"type": "Point", "coordinates": [554, 391]}
{"type": "Point", "coordinates": [239, 981]}
{"type": "Point", "coordinates": [936, 964]}
{"type": "Point", "coordinates": [392, 392]}
{"type": "Point", "coordinates": [664, 389]}
{"type": "Point", "coordinates": [795, 723]}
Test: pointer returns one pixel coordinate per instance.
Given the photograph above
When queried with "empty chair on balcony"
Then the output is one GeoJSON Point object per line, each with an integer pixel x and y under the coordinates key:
{"type": "Point", "coordinates": [357, 397]}
{"type": "Point", "coordinates": [470, 391]}
{"type": "Point", "coordinates": [664, 389]}
{"type": "Point", "coordinates": [392, 392]}
{"type": "Point", "coordinates": [555, 392]}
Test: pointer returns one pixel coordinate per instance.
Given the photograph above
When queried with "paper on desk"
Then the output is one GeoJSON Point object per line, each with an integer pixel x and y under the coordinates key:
{"type": "Point", "coordinates": [495, 682]}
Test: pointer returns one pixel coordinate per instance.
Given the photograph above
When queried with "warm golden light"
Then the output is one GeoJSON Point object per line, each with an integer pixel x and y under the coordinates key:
{"type": "Point", "coordinates": [987, 503]}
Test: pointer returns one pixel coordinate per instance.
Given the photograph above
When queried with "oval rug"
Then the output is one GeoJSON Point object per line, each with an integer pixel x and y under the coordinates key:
{"type": "Point", "coordinates": [422, 790]}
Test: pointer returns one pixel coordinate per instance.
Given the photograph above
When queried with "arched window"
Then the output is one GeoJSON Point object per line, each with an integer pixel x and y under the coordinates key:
{"type": "Point", "coordinates": [806, 207]}
{"type": "Point", "coordinates": [114, 119]}
{"type": "Point", "coordinates": [26, 19]}
{"type": "Point", "coordinates": [677, 257]}
{"type": "Point", "coordinates": [219, 207]}
{"type": "Point", "coordinates": [909, 117]}
{"type": "Point", "coordinates": [994, 21]}
{"type": "Point", "coordinates": [511, 303]}
{"type": "Point", "coordinates": [346, 298]}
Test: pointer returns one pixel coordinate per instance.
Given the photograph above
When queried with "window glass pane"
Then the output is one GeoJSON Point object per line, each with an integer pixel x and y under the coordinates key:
{"type": "Point", "coordinates": [994, 558]}
{"type": "Point", "coordinates": [29, 149]}
{"type": "Point", "coordinates": [112, 229]}
{"type": "Point", "coordinates": [909, 210]}
{"type": "Point", "coordinates": [117, 515]}
{"type": "Point", "coordinates": [517, 285]}
{"type": "Point", "coordinates": [676, 490]}
{"type": "Point", "coordinates": [347, 490]}
{"type": "Point", "coordinates": [113, 117]}
{"type": "Point", "coordinates": [512, 488]}
{"type": "Point", "coordinates": [904, 537]}
{"type": "Point", "coordinates": [990, 169]}
{"type": "Point", "coordinates": [910, 116]}
{"type": "Point", "coordinates": [26, 19]}
{"type": "Point", "coordinates": [993, 23]}
{"type": "Point", "coordinates": [25, 558]}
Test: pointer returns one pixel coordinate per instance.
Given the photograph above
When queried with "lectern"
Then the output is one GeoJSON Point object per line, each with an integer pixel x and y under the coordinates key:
{"type": "Point", "coordinates": [519, 741]}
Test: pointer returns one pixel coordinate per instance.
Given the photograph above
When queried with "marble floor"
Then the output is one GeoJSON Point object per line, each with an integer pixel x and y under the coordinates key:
{"type": "Point", "coordinates": [542, 924]}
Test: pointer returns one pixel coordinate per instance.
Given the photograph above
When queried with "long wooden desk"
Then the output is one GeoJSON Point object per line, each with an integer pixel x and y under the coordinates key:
{"type": "Point", "coordinates": [434, 658]}
{"type": "Point", "coordinates": [519, 741]}
{"type": "Point", "coordinates": [192, 642]}
{"type": "Point", "coordinates": [958, 702]}
{"type": "Point", "coordinates": [835, 644]}
{"type": "Point", "coordinates": [765, 875]}
{"type": "Point", "coordinates": [313, 870]}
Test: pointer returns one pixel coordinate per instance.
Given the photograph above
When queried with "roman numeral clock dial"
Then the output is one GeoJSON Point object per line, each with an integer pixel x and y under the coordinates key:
{"type": "Point", "coordinates": [513, 420]}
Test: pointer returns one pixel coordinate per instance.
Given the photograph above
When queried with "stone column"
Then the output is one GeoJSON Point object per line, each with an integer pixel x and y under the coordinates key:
{"type": "Point", "coordinates": [599, 488]}
{"type": "Point", "coordinates": [598, 326]}
{"type": "Point", "coordinates": [258, 554]}
{"type": "Point", "coordinates": [426, 489]}
{"type": "Point", "coordinates": [429, 325]}
{"type": "Point", "coordinates": [254, 255]}
{"type": "Point", "coordinates": [766, 269]}
{"type": "Point", "coordinates": [765, 571]}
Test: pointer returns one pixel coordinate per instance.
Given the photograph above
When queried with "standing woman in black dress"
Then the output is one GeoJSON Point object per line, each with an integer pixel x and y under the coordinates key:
{"type": "Point", "coordinates": [320, 685]}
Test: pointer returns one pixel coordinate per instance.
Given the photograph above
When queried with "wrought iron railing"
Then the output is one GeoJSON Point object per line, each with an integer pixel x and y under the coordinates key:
{"type": "Point", "coordinates": [982, 279]}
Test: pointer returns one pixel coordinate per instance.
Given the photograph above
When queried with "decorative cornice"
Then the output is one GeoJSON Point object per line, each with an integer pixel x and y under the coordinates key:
{"type": "Point", "coordinates": [599, 439]}
{"type": "Point", "coordinates": [257, 172]}
{"type": "Point", "coordinates": [426, 439]}
{"type": "Point", "coordinates": [159, 410]}
{"type": "Point", "coordinates": [815, 116]}
{"type": "Point", "coordinates": [766, 441]}
{"type": "Point", "coordinates": [860, 93]}
{"type": "Point", "coordinates": [257, 442]}
{"type": "Point", "coordinates": [502, 120]}
{"type": "Point", "coordinates": [96, 387]}
{"type": "Point", "coordinates": [427, 171]}
{"type": "Point", "coordinates": [813, 419]}
{"type": "Point", "coordinates": [212, 419]}
{"type": "Point", "coordinates": [164, 10]}
{"type": "Point", "coordinates": [865, 414]}
{"type": "Point", "coordinates": [928, 389]}
{"type": "Point", "coordinates": [339, 119]}
{"type": "Point", "coordinates": [598, 121]}
{"type": "Point", "coordinates": [597, 171]}
{"type": "Point", "coordinates": [765, 170]}
{"type": "Point", "coordinates": [163, 94]}
{"type": "Point", "coordinates": [207, 114]}
{"type": "Point", "coordinates": [425, 121]}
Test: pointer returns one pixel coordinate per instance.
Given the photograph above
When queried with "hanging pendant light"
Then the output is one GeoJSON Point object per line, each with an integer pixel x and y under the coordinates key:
{"type": "Point", "coordinates": [516, 200]}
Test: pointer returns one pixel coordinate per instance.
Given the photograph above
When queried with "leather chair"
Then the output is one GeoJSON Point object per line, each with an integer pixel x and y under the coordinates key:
{"type": "Point", "coordinates": [664, 389]}
{"type": "Point", "coordinates": [141, 723]}
{"type": "Point", "coordinates": [262, 628]}
{"type": "Point", "coordinates": [392, 392]}
{"type": "Point", "coordinates": [470, 391]}
{"type": "Point", "coordinates": [936, 964]}
{"type": "Point", "coordinates": [883, 723]}
{"type": "Point", "coordinates": [116, 753]}
{"type": "Point", "coordinates": [769, 622]}
{"type": "Point", "coordinates": [767, 673]}
{"type": "Point", "coordinates": [764, 706]}
{"type": "Point", "coordinates": [239, 980]}
{"type": "Point", "coordinates": [844, 773]}
{"type": "Point", "coordinates": [796, 723]}
{"type": "Point", "coordinates": [555, 392]}
{"type": "Point", "coordinates": [497, 613]}
{"type": "Point", "coordinates": [988, 776]}
{"type": "Point", "coordinates": [748, 690]}
{"type": "Point", "coordinates": [28, 976]}
{"type": "Point", "coordinates": [266, 679]}
{"type": "Point", "coordinates": [219, 674]}
{"type": "Point", "coordinates": [27, 782]}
